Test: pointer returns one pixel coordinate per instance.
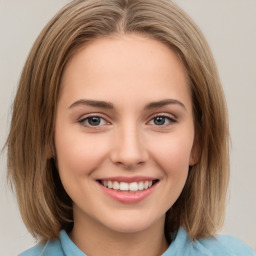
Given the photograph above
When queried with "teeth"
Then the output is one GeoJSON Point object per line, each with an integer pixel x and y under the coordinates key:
{"type": "Point", "coordinates": [124, 186]}
{"type": "Point", "coordinates": [134, 186]}
{"type": "Point", "coordinates": [110, 184]}
{"type": "Point", "coordinates": [141, 185]}
{"type": "Point", "coordinates": [116, 185]}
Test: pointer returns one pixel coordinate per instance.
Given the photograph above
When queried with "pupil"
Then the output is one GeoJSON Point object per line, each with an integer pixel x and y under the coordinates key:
{"type": "Point", "coordinates": [94, 121]}
{"type": "Point", "coordinates": [159, 120]}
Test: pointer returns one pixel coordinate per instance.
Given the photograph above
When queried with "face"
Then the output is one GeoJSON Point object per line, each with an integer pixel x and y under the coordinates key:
{"type": "Point", "coordinates": [124, 132]}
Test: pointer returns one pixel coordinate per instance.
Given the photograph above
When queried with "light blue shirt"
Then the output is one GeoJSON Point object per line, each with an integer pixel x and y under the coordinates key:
{"type": "Point", "coordinates": [222, 245]}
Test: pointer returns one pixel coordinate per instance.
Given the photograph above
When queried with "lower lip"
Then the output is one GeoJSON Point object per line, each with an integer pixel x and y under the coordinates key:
{"type": "Point", "coordinates": [128, 197]}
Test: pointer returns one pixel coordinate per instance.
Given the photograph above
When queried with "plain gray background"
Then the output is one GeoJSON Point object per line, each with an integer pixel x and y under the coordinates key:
{"type": "Point", "coordinates": [230, 28]}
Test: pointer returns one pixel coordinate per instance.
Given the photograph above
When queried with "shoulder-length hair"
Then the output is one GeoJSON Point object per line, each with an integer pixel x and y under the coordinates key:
{"type": "Point", "coordinates": [44, 205]}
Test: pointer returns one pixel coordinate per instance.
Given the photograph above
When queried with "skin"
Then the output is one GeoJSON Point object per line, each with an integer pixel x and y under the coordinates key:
{"type": "Point", "coordinates": [129, 72]}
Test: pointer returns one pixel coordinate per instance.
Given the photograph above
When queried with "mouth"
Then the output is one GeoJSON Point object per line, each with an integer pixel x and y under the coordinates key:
{"type": "Point", "coordinates": [121, 186]}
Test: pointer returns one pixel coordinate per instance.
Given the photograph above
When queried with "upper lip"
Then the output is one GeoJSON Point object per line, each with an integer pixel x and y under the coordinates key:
{"type": "Point", "coordinates": [128, 179]}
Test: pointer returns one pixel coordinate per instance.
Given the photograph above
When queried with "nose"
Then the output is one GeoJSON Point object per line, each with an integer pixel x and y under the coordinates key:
{"type": "Point", "coordinates": [129, 150]}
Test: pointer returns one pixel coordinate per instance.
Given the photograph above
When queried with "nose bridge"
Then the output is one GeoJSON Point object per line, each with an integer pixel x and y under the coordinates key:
{"type": "Point", "coordinates": [129, 149]}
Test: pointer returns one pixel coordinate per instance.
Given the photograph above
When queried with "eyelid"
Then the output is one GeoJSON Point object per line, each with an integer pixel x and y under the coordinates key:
{"type": "Point", "coordinates": [81, 119]}
{"type": "Point", "coordinates": [170, 117]}
{"type": "Point", "coordinates": [84, 117]}
{"type": "Point", "coordinates": [96, 114]}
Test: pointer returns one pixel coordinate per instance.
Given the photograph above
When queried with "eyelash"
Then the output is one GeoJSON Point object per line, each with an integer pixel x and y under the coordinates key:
{"type": "Point", "coordinates": [84, 121]}
{"type": "Point", "coordinates": [171, 120]}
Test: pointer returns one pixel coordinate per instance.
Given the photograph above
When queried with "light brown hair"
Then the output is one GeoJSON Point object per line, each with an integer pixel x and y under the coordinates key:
{"type": "Point", "coordinates": [44, 205]}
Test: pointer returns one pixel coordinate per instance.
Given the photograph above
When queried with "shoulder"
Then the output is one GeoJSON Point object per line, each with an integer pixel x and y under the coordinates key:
{"type": "Point", "coordinates": [217, 246]}
{"type": "Point", "coordinates": [225, 245]}
{"type": "Point", "coordinates": [51, 248]}
{"type": "Point", "coordinates": [60, 247]}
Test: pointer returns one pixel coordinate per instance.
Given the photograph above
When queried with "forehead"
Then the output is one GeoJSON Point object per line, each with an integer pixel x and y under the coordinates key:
{"type": "Point", "coordinates": [132, 65]}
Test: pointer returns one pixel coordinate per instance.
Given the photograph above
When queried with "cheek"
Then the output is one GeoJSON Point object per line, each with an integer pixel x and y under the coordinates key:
{"type": "Point", "coordinates": [77, 158]}
{"type": "Point", "coordinates": [173, 155]}
{"type": "Point", "coordinates": [78, 155]}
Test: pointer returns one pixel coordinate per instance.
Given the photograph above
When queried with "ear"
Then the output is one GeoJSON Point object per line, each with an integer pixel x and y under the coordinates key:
{"type": "Point", "coordinates": [195, 152]}
{"type": "Point", "coordinates": [50, 152]}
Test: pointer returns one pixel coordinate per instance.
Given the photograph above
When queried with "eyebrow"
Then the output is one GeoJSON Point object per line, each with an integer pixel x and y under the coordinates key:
{"type": "Point", "coordinates": [162, 103]}
{"type": "Point", "coordinates": [93, 103]}
{"type": "Point", "coordinates": [108, 105]}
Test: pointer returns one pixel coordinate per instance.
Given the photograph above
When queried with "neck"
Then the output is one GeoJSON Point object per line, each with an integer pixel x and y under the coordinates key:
{"type": "Point", "coordinates": [93, 238]}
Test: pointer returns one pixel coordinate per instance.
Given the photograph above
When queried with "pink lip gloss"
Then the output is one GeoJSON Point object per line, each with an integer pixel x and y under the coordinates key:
{"type": "Point", "coordinates": [129, 197]}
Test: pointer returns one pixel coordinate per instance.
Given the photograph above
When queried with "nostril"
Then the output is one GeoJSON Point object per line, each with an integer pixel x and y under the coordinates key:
{"type": "Point", "coordinates": [130, 165]}
{"type": "Point", "coordinates": [129, 154]}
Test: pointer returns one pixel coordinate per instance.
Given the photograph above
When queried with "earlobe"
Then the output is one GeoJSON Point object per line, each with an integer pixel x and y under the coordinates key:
{"type": "Point", "coordinates": [192, 160]}
{"type": "Point", "coordinates": [50, 152]}
{"type": "Point", "coordinates": [194, 155]}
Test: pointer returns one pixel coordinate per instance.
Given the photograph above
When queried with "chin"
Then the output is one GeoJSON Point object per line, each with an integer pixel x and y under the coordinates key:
{"type": "Point", "coordinates": [133, 223]}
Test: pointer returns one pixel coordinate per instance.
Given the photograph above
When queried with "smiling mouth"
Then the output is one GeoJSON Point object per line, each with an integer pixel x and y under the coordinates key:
{"type": "Point", "coordinates": [128, 186]}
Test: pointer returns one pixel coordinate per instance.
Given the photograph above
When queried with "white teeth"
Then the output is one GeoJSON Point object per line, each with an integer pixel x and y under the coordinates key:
{"type": "Point", "coordinates": [146, 185]}
{"type": "Point", "coordinates": [124, 186]}
{"type": "Point", "coordinates": [141, 185]}
{"type": "Point", "coordinates": [116, 185]}
{"type": "Point", "coordinates": [110, 185]}
{"type": "Point", "coordinates": [134, 186]}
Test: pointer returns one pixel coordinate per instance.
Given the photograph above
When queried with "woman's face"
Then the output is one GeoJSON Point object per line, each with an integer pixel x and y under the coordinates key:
{"type": "Point", "coordinates": [124, 132]}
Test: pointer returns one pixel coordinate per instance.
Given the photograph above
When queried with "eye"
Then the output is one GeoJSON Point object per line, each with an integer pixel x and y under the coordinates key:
{"type": "Point", "coordinates": [162, 120]}
{"type": "Point", "coordinates": [93, 121]}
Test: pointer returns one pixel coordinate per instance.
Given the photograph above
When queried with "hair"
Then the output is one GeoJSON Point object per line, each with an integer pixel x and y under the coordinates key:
{"type": "Point", "coordinates": [44, 205]}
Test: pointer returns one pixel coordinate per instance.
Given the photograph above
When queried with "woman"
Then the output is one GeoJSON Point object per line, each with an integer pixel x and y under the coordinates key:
{"type": "Point", "coordinates": [119, 136]}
